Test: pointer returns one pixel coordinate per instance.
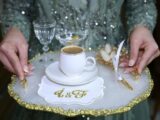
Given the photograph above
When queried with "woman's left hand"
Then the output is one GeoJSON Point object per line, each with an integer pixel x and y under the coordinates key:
{"type": "Point", "coordinates": [143, 49]}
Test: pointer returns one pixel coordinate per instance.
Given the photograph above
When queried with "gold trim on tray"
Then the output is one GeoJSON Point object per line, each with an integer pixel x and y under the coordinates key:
{"type": "Point", "coordinates": [72, 112]}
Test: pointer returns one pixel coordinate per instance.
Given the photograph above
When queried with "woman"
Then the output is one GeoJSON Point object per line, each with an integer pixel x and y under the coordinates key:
{"type": "Point", "coordinates": [109, 21]}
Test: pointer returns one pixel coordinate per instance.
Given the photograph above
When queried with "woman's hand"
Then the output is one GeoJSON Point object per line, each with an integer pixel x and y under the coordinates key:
{"type": "Point", "coordinates": [143, 49]}
{"type": "Point", "coordinates": [14, 53]}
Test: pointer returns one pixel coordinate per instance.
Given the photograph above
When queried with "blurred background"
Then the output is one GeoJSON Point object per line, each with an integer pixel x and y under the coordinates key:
{"type": "Point", "coordinates": [7, 103]}
{"type": "Point", "coordinates": [155, 71]}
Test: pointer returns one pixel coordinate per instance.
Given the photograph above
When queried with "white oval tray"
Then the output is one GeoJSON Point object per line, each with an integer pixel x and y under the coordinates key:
{"type": "Point", "coordinates": [116, 97]}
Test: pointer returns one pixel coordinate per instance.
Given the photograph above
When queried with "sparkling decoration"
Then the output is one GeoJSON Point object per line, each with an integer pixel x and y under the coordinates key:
{"type": "Point", "coordinates": [55, 12]}
{"type": "Point", "coordinates": [106, 15]}
{"type": "Point", "coordinates": [77, 18]}
{"type": "Point", "coordinates": [112, 26]}
{"type": "Point", "coordinates": [23, 12]}
{"type": "Point", "coordinates": [147, 13]}
{"type": "Point", "coordinates": [96, 23]}
{"type": "Point", "coordinates": [70, 14]}
{"type": "Point", "coordinates": [66, 17]}
{"type": "Point", "coordinates": [89, 48]}
{"type": "Point", "coordinates": [88, 118]}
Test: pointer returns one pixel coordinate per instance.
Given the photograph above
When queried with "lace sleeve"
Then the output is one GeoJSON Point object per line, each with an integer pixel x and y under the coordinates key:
{"type": "Point", "coordinates": [16, 13]}
{"type": "Point", "coordinates": [140, 13]}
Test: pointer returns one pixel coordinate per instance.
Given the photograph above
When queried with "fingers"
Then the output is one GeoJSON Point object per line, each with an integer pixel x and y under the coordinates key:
{"type": "Point", "coordinates": [23, 56]}
{"type": "Point", "coordinates": [15, 64]}
{"type": "Point", "coordinates": [141, 62]}
{"type": "Point", "coordinates": [15, 49]}
{"type": "Point", "coordinates": [123, 64]}
{"type": "Point", "coordinates": [31, 68]}
{"type": "Point", "coordinates": [129, 69]}
{"type": "Point", "coordinates": [154, 56]}
{"type": "Point", "coordinates": [145, 58]}
{"type": "Point", "coordinates": [141, 38]}
{"type": "Point", "coordinates": [135, 46]}
{"type": "Point", "coordinates": [6, 63]}
{"type": "Point", "coordinates": [14, 60]}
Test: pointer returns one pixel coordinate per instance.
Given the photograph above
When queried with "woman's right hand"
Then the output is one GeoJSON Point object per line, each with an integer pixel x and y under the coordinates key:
{"type": "Point", "coordinates": [14, 53]}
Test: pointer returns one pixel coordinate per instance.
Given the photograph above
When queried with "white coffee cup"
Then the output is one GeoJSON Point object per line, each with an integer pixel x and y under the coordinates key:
{"type": "Point", "coordinates": [73, 61]}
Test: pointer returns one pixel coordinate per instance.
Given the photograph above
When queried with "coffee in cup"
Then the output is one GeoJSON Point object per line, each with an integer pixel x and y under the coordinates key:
{"type": "Point", "coordinates": [73, 61]}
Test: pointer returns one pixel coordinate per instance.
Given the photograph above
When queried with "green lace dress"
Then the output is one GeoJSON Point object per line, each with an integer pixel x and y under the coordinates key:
{"type": "Point", "coordinates": [109, 21]}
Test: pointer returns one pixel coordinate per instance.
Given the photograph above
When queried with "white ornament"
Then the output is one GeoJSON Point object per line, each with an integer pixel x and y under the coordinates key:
{"type": "Point", "coordinates": [105, 55]}
{"type": "Point", "coordinates": [108, 48]}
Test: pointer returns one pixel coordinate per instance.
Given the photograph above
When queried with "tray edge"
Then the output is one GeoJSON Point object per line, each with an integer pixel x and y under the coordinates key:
{"type": "Point", "coordinates": [72, 113]}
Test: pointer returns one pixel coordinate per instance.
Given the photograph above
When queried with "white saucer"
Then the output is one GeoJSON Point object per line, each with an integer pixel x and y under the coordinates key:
{"type": "Point", "coordinates": [54, 74]}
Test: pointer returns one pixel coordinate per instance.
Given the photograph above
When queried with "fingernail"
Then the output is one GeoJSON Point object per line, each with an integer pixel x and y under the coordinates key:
{"type": "Point", "coordinates": [26, 69]}
{"type": "Point", "coordinates": [21, 78]}
{"type": "Point", "coordinates": [126, 71]}
{"type": "Point", "coordinates": [122, 65]}
{"type": "Point", "coordinates": [139, 71]}
{"type": "Point", "coordinates": [131, 63]}
{"type": "Point", "coordinates": [29, 74]}
{"type": "Point", "coordinates": [32, 67]}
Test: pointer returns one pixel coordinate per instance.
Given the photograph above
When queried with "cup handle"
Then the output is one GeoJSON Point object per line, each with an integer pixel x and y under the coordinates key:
{"type": "Point", "coordinates": [90, 65]}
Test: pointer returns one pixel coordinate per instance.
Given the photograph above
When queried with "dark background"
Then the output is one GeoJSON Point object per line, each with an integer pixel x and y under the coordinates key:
{"type": "Point", "coordinates": [7, 103]}
{"type": "Point", "coordinates": [155, 68]}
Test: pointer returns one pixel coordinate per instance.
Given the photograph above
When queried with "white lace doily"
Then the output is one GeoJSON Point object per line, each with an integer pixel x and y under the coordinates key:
{"type": "Point", "coordinates": [59, 94]}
